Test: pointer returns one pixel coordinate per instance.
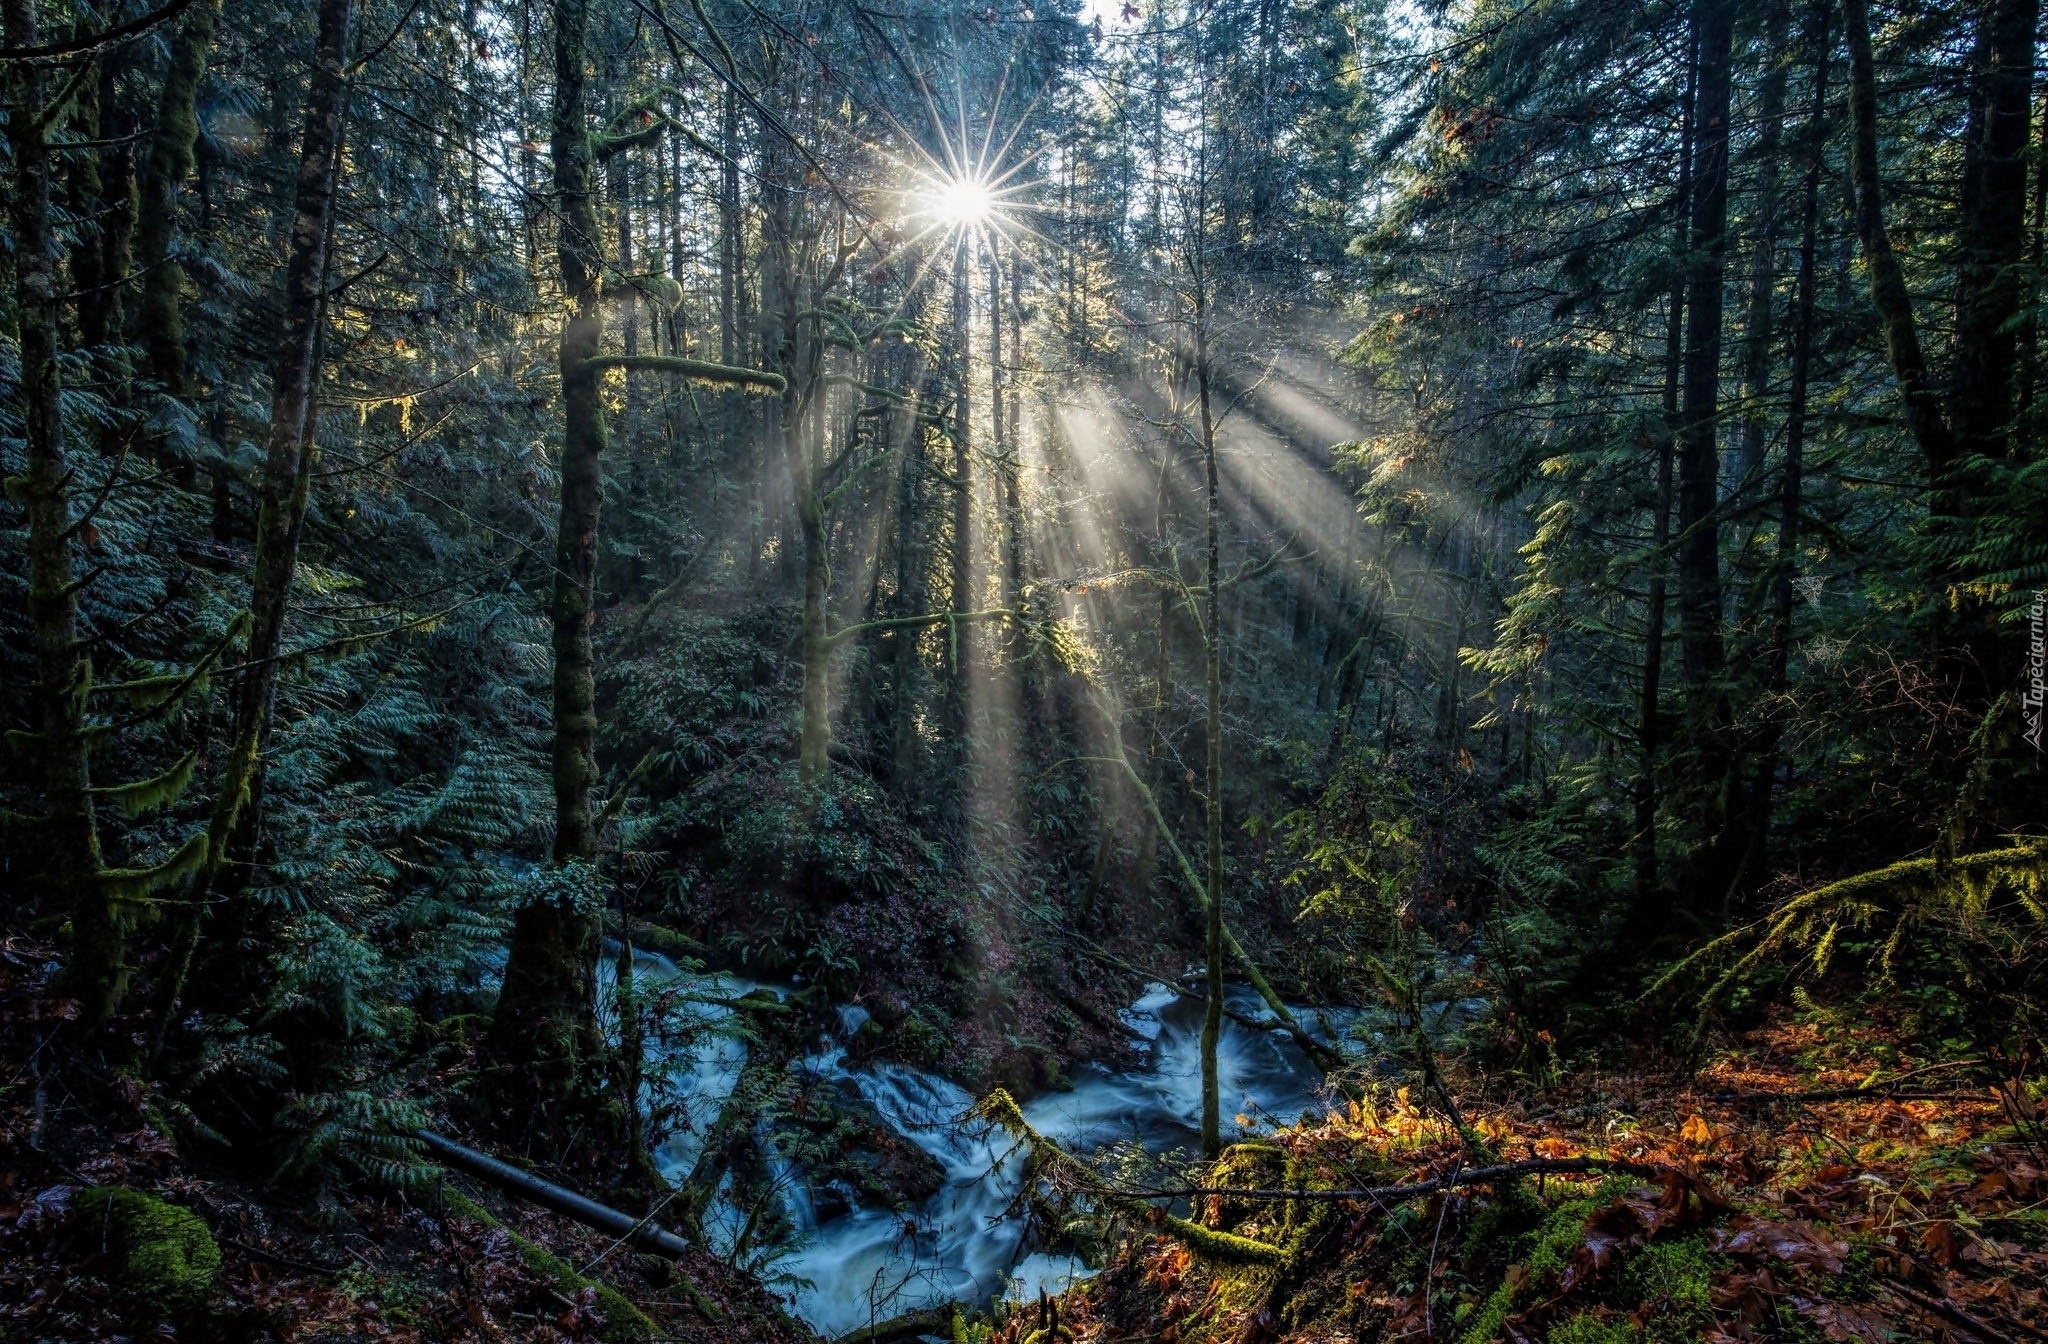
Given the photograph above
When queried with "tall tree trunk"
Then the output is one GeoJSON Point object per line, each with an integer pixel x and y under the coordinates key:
{"type": "Point", "coordinates": [543, 1034]}
{"type": "Point", "coordinates": [286, 480]}
{"type": "Point", "coordinates": [729, 228]}
{"type": "Point", "coordinates": [1977, 416]}
{"type": "Point", "coordinates": [68, 839]}
{"type": "Point", "coordinates": [959, 634]}
{"type": "Point", "coordinates": [1003, 421]}
{"type": "Point", "coordinates": [159, 316]}
{"type": "Point", "coordinates": [1888, 293]}
{"type": "Point", "coordinates": [101, 310]}
{"type": "Point", "coordinates": [629, 298]}
{"type": "Point", "coordinates": [1649, 713]}
{"type": "Point", "coordinates": [1698, 545]}
{"type": "Point", "coordinates": [1759, 326]}
{"type": "Point", "coordinates": [1212, 1018]}
{"type": "Point", "coordinates": [815, 744]}
{"type": "Point", "coordinates": [1992, 227]}
{"type": "Point", "coordinates": [2026, 420]}
{"type": "Point", "coordinates": [1699, 550]}
{"type": "Point", "coordinates": [84, 195]}
{"type": "Point", "coordinates": [1791, 487]}
{"type": "Point", "coordinates": [911, 573]}
{"type": "Point", "coordinates": [1162, 679]}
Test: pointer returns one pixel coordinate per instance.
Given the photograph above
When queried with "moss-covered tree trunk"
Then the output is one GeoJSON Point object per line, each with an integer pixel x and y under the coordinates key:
{"type": "Point", "coordinates": [906, 678]}
{"type": "Point", "coordinates": [67, 836]}
{"type": "Point", "coordinates": [962, 485]}
{"type": "Point", "coordinates": [159, 320]}
{"type": "Point", "coordinates": [814, 748]}
{"type": "Point", "coordinates": [544, 1031]}
{"type": "Point", "coordinates": [286, 478]}
{"type": "Point", "coordinates": [1212, 685]}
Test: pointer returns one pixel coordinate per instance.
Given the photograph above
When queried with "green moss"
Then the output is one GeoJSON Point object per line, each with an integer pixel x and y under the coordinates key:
{"type": "Point", "coordinates": [624, 1323]}
{"type": "Point", "coordinates": [1586, 1328]}
{"type": "Point", "coordinates": [1548, 1251]}
{"type": "Point", "coordinates": [1676, 1276]}
{"type": "Point", "coordinates": [160, 1258]}
{"type": "Point", "coordinates": [1222, 1248]}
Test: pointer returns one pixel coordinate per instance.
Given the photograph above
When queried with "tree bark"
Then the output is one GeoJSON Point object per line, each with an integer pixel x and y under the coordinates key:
{"type": "Point", "coordinates": [159, 317]}
{"type": "Point", "coordinates": [84, 195]}
{"type": "Point", "coordinates": [959, 637]}
{"type": "Point", "coordinates": [911, 565]}
{"type": "Point", "coordinates": [1992, 227]}
{"type": "Point", "coordinates": [1888, 293]}
{"type": "Point", "coordinates": [1792, 484]}
{"type": "Point", "coordinates": [543, 1034]}
{"type": "Point", "coordinates": [1698, 552]}
{"type": "Point", "coordinates": [119, 206]}
{"type": "Point", "coordinates": [1759, 328]}
{"type": "Point", "coordinates": [1212, 1017]}
{"type": "Point", "coordinates": [69, 840]}
{"type": "Point", "coordinates": [285, 482]}
{"type": "Point", "coordinates": [1649, 720]}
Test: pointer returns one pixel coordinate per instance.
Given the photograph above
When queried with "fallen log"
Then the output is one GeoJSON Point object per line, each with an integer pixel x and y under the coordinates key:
{"type": "Point", "coordinates": [643, 1235]}
{"type": "Point", "coordinates": [910, 1325]}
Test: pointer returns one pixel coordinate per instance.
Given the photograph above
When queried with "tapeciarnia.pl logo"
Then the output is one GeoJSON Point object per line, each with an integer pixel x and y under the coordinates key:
{"type": "Point", "coordinates": [2037, 669]}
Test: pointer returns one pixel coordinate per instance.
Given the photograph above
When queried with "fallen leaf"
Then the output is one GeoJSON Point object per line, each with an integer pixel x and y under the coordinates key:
{"type": "Point", "coordinates": [1794, 1240]}
{"type": "Point", "coordinates": [1939, 1241]}
{"type": "Point", "coordinates": [1842, 1321]}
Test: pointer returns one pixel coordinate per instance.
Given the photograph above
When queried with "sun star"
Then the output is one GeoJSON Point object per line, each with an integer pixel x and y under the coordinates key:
{"type": "Point", "coordinates": [961, 202]}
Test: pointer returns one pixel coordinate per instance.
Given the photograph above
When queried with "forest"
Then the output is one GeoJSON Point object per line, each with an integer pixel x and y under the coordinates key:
{"type": "Point", "coordinates": [1018, 671]}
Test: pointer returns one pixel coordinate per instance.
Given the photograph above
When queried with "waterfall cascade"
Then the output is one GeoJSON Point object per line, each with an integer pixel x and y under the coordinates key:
{"type": "Point", "coordinates": [848, 1264]}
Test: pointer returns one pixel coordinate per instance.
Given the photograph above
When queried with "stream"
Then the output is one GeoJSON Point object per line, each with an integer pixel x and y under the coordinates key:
{"type": "Point", "coordinates": [848, 1265]}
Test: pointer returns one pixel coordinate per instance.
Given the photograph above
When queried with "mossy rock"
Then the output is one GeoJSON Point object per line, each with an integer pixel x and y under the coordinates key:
{"type": "Point", "coordinates": [160, 1258]}
{"type": "Point", "coordinates": [1249, 1166]}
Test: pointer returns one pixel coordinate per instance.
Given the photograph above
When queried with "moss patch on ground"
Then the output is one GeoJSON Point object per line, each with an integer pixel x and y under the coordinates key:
{"type": "Point", "coordinates": [160, 1258]}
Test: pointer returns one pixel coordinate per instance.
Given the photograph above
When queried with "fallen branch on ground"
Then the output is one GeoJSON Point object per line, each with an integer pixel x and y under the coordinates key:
{"type": "Point", "coordinates": [1540, 1166]}
{"type": "Point", "coordinates": [1955, 1315]}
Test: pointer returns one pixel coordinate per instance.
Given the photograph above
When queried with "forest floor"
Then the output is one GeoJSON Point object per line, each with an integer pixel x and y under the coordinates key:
{"type": "Point", "coordinates": [445, 1260]}
{"type": "Point", "coordinates": [1777, 1210]}
{"type": "Point", "coordinates": [1764, 1206]}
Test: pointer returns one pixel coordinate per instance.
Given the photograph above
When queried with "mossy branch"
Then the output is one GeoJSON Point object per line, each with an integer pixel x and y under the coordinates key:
{"type": "Point", "coordinates": [696, 370]}
{"type": "Point", "coordinates": [1325, 1058]}
{"type": "Point", "coordinates": [838, 637]}
{"type": "Point", "coordinates": [1225, 1248]}
{"type": "Point", "coordinates": [1965, 881]}
{"type": "Point", "coordinates": [624, 1323]}
{"type": "Point", "coordinates": [136, 884]}
{"type": "Point", "coordinates": [999, 1108]}
{"type": "Point", "coordinates": [148, 794]}
{"type": "Point", "coordinates": [171, 689]}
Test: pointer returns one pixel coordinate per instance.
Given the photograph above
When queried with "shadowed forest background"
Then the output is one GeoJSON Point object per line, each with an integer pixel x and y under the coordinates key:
{"type": "Point", "coordinates": [1436, 608]}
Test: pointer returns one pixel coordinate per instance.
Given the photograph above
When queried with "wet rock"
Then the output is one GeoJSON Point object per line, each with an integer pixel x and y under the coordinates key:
{"type": "Point", "coordinates": [852, 1156]}
{"type": "Point", "coordinates": [160, 1258]}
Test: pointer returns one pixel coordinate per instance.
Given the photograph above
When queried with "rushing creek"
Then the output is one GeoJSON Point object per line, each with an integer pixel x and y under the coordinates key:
{"type": "Point", "coordinates": [848, 1265]}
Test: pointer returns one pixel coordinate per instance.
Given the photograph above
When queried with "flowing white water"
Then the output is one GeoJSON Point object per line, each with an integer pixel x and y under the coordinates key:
{"type": "Point", "coordinates": [871, 1264]}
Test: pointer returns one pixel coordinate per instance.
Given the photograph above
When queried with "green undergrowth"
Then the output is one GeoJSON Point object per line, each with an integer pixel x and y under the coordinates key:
{"type": "Point", "coordinates": [1578, 1264]}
